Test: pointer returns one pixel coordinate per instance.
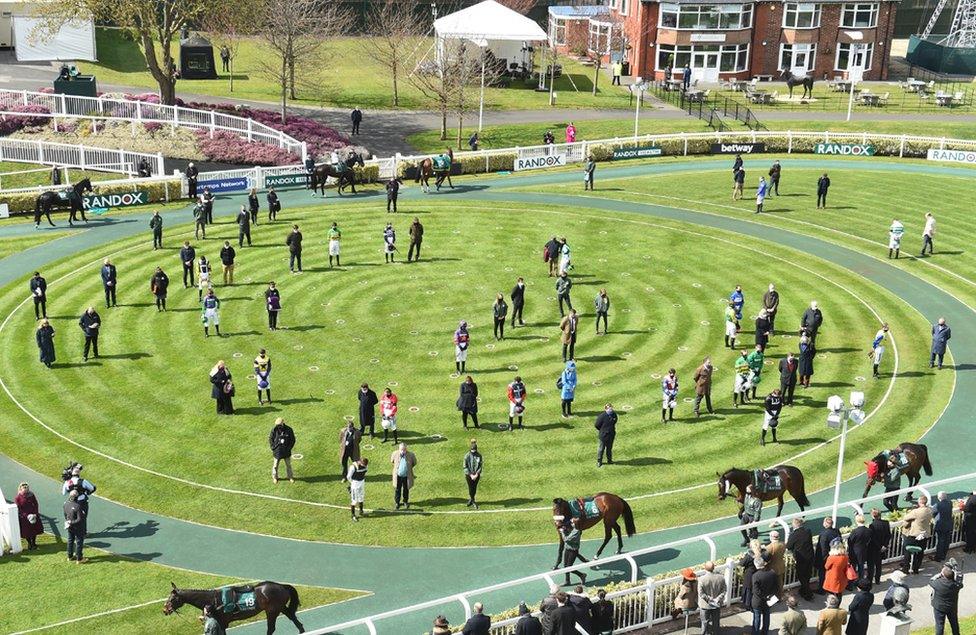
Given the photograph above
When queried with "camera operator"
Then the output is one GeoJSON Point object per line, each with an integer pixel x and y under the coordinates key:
{"type": "Point", "coordinates": [945, 596]}
{"type": "Point", "coordinates": [73, 482]}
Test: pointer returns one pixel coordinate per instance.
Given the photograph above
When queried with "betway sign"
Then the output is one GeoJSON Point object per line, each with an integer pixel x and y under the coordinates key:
{"type": "Point", "coordinates": [126, 199]}
{"type": "Point", "coordinates": [956, 156]}
{"type": "Point", "coordinates": [845, 149]}
{"type": "Point", "coordinates": [738, 148]}
{"type": "Point", "coordinates": [536, 163]}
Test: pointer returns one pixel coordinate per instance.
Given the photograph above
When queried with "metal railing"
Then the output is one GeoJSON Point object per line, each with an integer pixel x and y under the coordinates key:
{"type": "Point", "coordinates": [73, 106]}
{"type": "Point", "coordinates": [77, 156]}
{"type": "Point", "coordinates": [656, 595]}
{"type": "Point", "coordinates": [702, 108]}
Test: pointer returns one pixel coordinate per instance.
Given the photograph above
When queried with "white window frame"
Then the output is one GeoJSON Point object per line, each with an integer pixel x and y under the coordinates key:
{"type": "Point", "coordinates": [797, 8]}
{"type": "Point", "coordinates": [600, 30]}
{"type": "Point", "coordinates": [624, 7]}
{"type": "Point", "coordinates": [853, 9]}
{"type": "Point", "coordinates": [867, 49]}
{"type": "Point", "coordinates": [811, 50]}
{"type": "Point", "coordinates": [744, 11]}
{"type": "Point", "coordinates": [555, 24]}
{"type": "Point", "coordinates": [692, 49]}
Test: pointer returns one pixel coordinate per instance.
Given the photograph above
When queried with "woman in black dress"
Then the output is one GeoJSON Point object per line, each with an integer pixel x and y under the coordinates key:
{"type": "Point", "coordinates": [223, 388]}
{"type": "Point", "coordinates": [45, 342]}
{"type": "Point", "coordinates": [467, 401]}
{"type": "Point", "coordinates": [763, 329]}
{"type": "Point", "coordinates": [159, 283]}
{"type": "Point", "coordinates": [860, 609]}
{"type": "Point", "coordinates": [253, 206]}
{"type": "Point", "coordinates": [804, 368]}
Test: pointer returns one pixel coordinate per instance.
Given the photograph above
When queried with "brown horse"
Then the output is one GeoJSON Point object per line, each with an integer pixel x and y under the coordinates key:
{"type": "Point", "coordinates": [611, 508]}
{"type": "Point", "coordinates": [790, 477]}
{"type": "Point", "coordinates": [270, 597]}
{"type": "Point", "coordinates": [918, 460]}
{"type": "Point", "coordinates": [425, 169]}
{"type": "Point", "coordinates": [344, 178]}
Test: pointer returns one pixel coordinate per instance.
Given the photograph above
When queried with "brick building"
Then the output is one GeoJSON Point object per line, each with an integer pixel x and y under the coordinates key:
{"type": "Point", "coordinates": [741, 39]}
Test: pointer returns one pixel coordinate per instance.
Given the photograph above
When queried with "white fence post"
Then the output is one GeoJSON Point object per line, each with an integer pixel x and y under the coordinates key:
{"type": "Point", "coordinates": [40, 153]}
{"type": "Point", "coordinates": [213, 123]}
{"type": "Point", "coordinates": [901, 148]}
{"type": "Point", "coordinates": [789, 142]}
{"type": "Point", "coordinates": [81, 153]}
{"type": "Point", "coordinates": [64, 106]}
{"type": "Point", "coordinates": [25, 97]}
{"type": "Point", "coordinates": [649, 600]}
{"type": "Point", "coordinates": [250, 129]}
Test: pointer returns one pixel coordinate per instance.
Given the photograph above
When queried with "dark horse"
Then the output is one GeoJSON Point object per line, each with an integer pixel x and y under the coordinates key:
{"type": "Point", "coordinates": [792, 81]}
{"type": "Point", "coordinates": [344, 178]}
{"type": "Point", "coordinates": [52, 200]}
{"type": "Point", "coordinates": [425, 169]}
{"type": "Point", "coordinates": [611, 508]}
{"type": "Point", "coordinates": [790, 477]}
{"type": "Point", "coordinates": [271, 597]}
{"type": "Point", "coordinates": [918, 460]}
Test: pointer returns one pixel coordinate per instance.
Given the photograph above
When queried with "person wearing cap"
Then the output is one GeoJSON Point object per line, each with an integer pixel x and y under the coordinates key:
{"type": "Point", "coordinates": [800, 544]}
{"type": "Point", "coordinates": [571, 535]}
{"type": "Point", "coordinates": [262, 375]}
{"type": "Point", "coordinates": [527, 623]}
{"type": "Point", "coordinates": [687, 599]}
{"type": "Point", "coordinates": [76, 524]}
{"type": "Point", "coordinates": [832, 618]}
{"type": "Point", "coordinates": [281, 440]}
{"type": "Point", "coordinates": [824, 539]}
{"type": "Point", "coordinates": [880, 539]}
{"type": "Point", "coordinates": [462, 339]}
{"type": "Point", "coordinates": [479, 623]}
{"type": "Point", "coordinates": [794, 621]}
{"type": "Point", "coordinates": [945, 598]}
{"type": "Point", "coordinates": [602, 613]}
{"type": "Point", "coordinates": [711, 599]}
{"type": "Point", "coordinates": [751, 513]}
{"type": "Point", "coordinates": [473, 464]}
{"type": "Point", "coordinates": [764, 588]}
{"type": "Point", "coordinates": [441, 626]}
{"type": "Point", "coordinates": [917, 529]}
{"type": "Point", "coordinates": [859, 609]}
{"type": "Point", "coordinates": [897, 580]}
{"type": "Point", "coordinates": [356, 475]}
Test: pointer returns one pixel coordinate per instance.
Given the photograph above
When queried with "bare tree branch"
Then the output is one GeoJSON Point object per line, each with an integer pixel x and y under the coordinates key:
{"type": "Point", "coordinates": [393, 27]}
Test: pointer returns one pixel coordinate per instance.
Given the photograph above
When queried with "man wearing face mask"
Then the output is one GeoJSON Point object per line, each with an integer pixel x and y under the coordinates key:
{"type": "Point", "coordinates": [473, 464]}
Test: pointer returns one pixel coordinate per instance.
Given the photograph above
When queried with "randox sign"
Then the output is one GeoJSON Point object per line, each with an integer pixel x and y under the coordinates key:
{"type": "Point", "coordinates": [956, 156]}
{"type": "Point", "coordinates": [738, 148]}
{"type": "Point", "coordinates": [224, 185]}
{"type": "Point", "coordinates": [636, 153]}
{"type": "Point", "coordinates": [277, 180]}
{"type": "Point", "coordinates": [125, 199]}
{"type": "Point", "coordinates": [537, 163]}
{"type": "Point", "coordinates": [845, 149]}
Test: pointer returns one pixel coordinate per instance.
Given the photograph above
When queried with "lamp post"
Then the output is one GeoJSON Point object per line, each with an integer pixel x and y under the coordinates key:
{"type": "Point", "coordinates": [855, 73]}
{"type": "Point", "coordinates": [638, 87]}
{"type": "Point", "coordinates": [838, 417]}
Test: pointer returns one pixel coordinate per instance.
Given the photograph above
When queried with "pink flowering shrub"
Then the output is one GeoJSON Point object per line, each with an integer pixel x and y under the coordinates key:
{"type": "Point", "coordinates": [13, 123]}
{"type": "Point", "coordinates": [227, 147]}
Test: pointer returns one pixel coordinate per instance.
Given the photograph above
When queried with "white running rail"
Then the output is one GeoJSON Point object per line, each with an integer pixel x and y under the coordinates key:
{"type": "Point", "coordinates": [650, 603]}
{"type": "Point", "coordinates": [72, 106]}
{"type": "Point", "coordinates": [77, 156]}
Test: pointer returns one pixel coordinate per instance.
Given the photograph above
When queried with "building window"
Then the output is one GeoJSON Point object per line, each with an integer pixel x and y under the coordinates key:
{"type": "Point", "coordinates": [557, 31]}
{"type": "Point", "coordinates": [801, 15]}
{"type": "Point", "coordinates": [861, 16]}
{"type": "Point", "coordinates": [624, 6]}
{"type": "Point", "coordinates": [797, 58]}
{"type": "Point", "coordinates": [601, 34]}
{"type": "Point", "coordinates": [705, 17]}
{"type": "Point", "coordinates": [862, 58]}
{"type": "Point", "coordinates": [732, 58]}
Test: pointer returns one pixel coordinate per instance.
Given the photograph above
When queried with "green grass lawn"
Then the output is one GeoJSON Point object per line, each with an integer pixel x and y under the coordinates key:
{"type": "Point", "coordinates": [530, 134]}
{"type": "Point", "coordinates": [347, 76]}
{"type": "Point", "coordinates": [966, 625]}
{"type": "Point", "coordinates": [43, 177]}
{"type": "Point", "coordinates": [392, 325]}
{"type": "Point", "coordinates": [42, 588]}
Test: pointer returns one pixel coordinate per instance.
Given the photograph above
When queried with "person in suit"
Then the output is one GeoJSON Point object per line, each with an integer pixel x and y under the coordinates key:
{"type": "Point", "coordinates": [349, 438]}
{"type": "Point", "coordinates": [38, 289]}
{"type": "Point", "coordinates": [550, 255]}
{"type": "Point", "coordinates": [76, 522]}
{"type": "Point", "coordinates": [282, 442]}
{"type": "Point", "coordinates": [479, 623]}
{"type": "Point", "coordinates": [564, 286]}
{"type": "Point", "coordinates": [208, 203]}
{"type": "Point", "coordinates": [776, 559]}
{"type": "Point", "coordinates": [45, 342]}
{"type": "Point", "coordinates": [859, 610]}
{"type": "Point", "coordinates": [392, 192]}
{"type": "Point", "coordinates": [499, 311]}
{"type": "Point", "coordinates": [156, 225]}
{"type": "Point", "coordinates": [969, 523]}
{"type": "Point", "coordinates": [188, 256]}
{"type": "Point", "coordinates": [243, 227]}
{"type": "Point", "coordinates": [945, 599]}
{"type": "Point", "coordinates": [357, 118]}
{"type": "Point", "coordinates": [272, 301]}
{"type": "Point", "coordinates": [222, 388]}
{"type": "Point", "coordinates": [562, 619]}
{"type": "Point", "coordinates": [416, 238]}
{"type": "Point", "coordinates": [158, 284]}
{"type": "Point", "coordinates": [253, 205]}
{"type": "Point", "coordinates": [518, 301]}
{"type": "Point", "coordinates": [811, 321]}
{"type": "Point", "coordinates": [831, 619]}
{"type": "Point", "coordinates": [800, 544]}
{"type": "Point", "coordinates": [602, 305]}
{"type": "Point", "coordinates": [764, 587]}
{"type": "Point", "coordinates": [294, 243]}
{"type": "Point", "coordinates": [403, 462]}
{"type": "Point", "coordinates": [917, 529]}
{"type": "Point", "coordinates": [941, 333]}
{"type": "Point", "coordinates": [473, 464]}
{"type": "Point", "coordinates": [199, 220]}
{"type": "Point", "coordinates": [569, 326]}
{"type": "Point", "coordinates": [763, 330]}
{"type": "Point", "coordinates": [770, 303]}
{"type": "Point", "coordinates": [703, 385]}
{"type": "Point", "coordinates": [192, 173]}
{"type": "Point", "coordinates": [823, 184]}
{"type": "Point", "coordinates": [794, 621]}
{"type": "Point", "coordinates": [878, 550]}
{"type": "Point", "coordinates": [467, 401]}
{"type": "Point", "coordinates": [822, 552]}
{"type": "Point", "coordinates": [804, 367]}
{"type": "Point", "coordinates": [606, 430]}
{"type": "Point", "coordinates": [943, 526]}
{"type": "Point", "coordinates": [787, 377]}
{"type": "Point", "coordinates": [601, 613]}
{"type": "Point", "coordinates": [711, 598]}
{"type": "Point", "coordinates": [227, 256]}
{"type": "Point", "coordinates": [90, 323]}
{"type": "Point", "coordinates": [367, 410]}
{"type": "Point", "coordinates": [274, 205]}
{"type": "Point", "coordinates": [859, 547]}
{"type": "Point", "coordinates": [529, 624]}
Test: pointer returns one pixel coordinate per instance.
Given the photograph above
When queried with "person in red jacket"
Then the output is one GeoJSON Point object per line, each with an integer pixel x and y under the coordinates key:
{"type": "Point", "coordinates": [29, 516]}
{"type": "Point", "coordinates": [516, 402]}
{"type": "Point", "coordinates": [388, 415]}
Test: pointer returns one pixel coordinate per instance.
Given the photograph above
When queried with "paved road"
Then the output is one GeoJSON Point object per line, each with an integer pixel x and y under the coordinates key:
{"type": "Point", "coordinates": [436, 572]}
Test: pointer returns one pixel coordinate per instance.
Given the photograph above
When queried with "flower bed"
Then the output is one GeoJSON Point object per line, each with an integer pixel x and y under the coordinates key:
{"type": "Point", "coordinates": [172, 142]}
{"type": "Point", "coordinates": [11, 124]}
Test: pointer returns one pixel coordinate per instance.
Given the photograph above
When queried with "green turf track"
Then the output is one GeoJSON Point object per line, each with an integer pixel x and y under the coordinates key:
{"type": "Point", "coordinates": [438, 572]}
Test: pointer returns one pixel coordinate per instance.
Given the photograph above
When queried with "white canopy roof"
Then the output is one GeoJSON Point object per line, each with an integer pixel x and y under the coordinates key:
{"type": "Point", "coordinates": [488, 21]}
{"type": "Point", "coordinates": [75, 40]}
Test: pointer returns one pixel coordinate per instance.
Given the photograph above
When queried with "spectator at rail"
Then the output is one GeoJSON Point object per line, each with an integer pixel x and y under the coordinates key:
{"type": "Point", "coordinates": [441, 626]}
{"type": "Point", "coordinates": [602, 614]}
{"type": "Point", "coordinates": [44, 336]}
{"type": "Point", "coordinates": [928, 234]}
{"type": "Point", "coordinates": [917, 529]}
{"type": "Point", "coordinates": [748, 564]}
{"type": "Point", "coordinates": [969, 523]}
{"type": "Point", "coordinates": [835, 569]}
{"type": "Point", "coordinates": [711, 598]}
{"type": "Point", "coordinates": [943, 526]}
{"type": "Point", "coordinates": [563, 617]}
{"type": "Point", "coordinates": [859, 546]}
{"type": "Point", "coordinates": [764, 589]}
{"type": "Point", "coordinates": [583, 606]}
{"type": "Point", "coordinates": [479, 623]}
{"type": "Point", "coordinates": [38, 289]}
{"type": "Point", "coordinates": [941, 334]}
{"type": "Point", "coordinates": [548, 138]}
{"type": "Point", "coordinates": [687, 599]}
{"type": "Point", "coordinates": [403, 462]}
{"type": "Point", "coordinates": [776, 559]}
{"type": "Point", "coordinates": [800, 545]}
{"type": "Point", "coordinates": [28, 515]}
{"type": "Point", "coordinates": [823, 184]}
{"type": "Point", "coordinates": [527, 623]}
{"type": "Point", "coordinates": [880, 539]}
{"type": "Point", "coordinates": [282, 442]}
{"type": "Point", "coordinates": [824, 539]}
{"type": "Point", "coordinates": [859, 610]}
{"type": "Point", "coordinates": [945, 598]}
{"type": "Point", "coordinates": [832, 618]}
{"type": "Point", "coordinates": [897, 580]}
{"type": "Point", "coordinates": [547, 606]}
{"type": "Point", "coordinates": [794, 621]}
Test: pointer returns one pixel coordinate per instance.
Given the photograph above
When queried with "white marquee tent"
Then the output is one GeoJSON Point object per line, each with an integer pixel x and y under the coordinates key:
{"type": "Point", "coordinates": [75, 40]}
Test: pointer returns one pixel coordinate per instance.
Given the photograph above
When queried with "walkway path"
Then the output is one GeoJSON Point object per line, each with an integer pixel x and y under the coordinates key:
{"type": "Point", "coordinates": [436, 572]}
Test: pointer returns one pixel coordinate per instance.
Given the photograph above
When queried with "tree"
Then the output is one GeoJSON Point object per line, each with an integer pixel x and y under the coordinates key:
{"type": "Point", "coordinates": [393, 26]}
{"type": "Point", "coordinates": [612, 43]}
{"type": "Point", "coordinates": [151, 22]}
{"type": "Point", "coordinates": [521, 6]}
{"type": "Point", "coordinates": [232, 24]}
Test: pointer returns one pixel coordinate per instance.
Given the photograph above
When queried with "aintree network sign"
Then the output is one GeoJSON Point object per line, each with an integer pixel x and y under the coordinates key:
{"type": "Point", "coordinates": [124, 199]}
{"type": "Point", "coordinates": [956, 156]}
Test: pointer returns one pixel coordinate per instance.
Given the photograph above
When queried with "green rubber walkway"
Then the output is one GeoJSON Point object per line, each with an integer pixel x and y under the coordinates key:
{"type": "Point", "coordinates": [399, 577]}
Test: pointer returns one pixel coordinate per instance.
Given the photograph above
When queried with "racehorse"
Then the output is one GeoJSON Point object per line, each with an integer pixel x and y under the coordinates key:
{"type": "Point", "coordinates": [791, 479]}
{"type": "Point", "coordinates": [792, 80]}
{"type": "Point", "coordinates": [611, 508]}
{"type": "Point", "coordinates": [425, 169]}
{"type": "Point", "coordinates": [344, 178]}
{"type": "Point", "coordinates": [52, 200]}
{"type": "Point", "coordinates": [918, 460]}
{"type": "Point", "coordinates": [271, 597]}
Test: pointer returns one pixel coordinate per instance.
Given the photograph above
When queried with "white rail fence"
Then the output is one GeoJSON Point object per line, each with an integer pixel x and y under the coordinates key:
{"type": "Point", "coordinates": [650, 603]}
{"type": "Point", "coordinates": [77, 156]}
{"type": "Point", "coordinates": [72, 106]}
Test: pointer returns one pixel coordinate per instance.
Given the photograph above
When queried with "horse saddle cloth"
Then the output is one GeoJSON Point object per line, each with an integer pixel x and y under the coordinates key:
{"type": "Point", "coordinates": [442, 163]}
{"type": "Point", "coordinates": [584, 508]}
{"type": "Point", "coordinates": [237, 599]}
{"type": "Point", "coordinates": [765, 481]}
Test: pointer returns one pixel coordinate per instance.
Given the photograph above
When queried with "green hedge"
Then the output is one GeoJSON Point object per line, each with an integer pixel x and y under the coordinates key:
{"type": "Point", "coordinates": [24, 203]}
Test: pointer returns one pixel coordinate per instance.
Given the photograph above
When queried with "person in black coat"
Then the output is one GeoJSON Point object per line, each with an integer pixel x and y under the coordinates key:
{"type": "Point", "coordinates": [763, 330]}
{"type": "Point", "coordinates": [859, 547]}
{"type": "Point", "coordinates": [787, 377]}
{"type": "Point", "coordinates": [823, 184]}
{"type": "Point", "coordinates": [45, 342]}
{"type": "Point", "coordinates": [527, 623]}
{"type": "Point", "coordinates": [272, 302]}
{"type": "Point", "coordinates": [392, 191]}
{"type": "Point", "coordinates": [38, 289]}
{"type": "Point", "coordinates": [860, 609]}
{"type": "Point", "coordinates": [90, 323]}
{"type": "Point", "coordinates": [188, 256]}
{"type": "Point", "coordinates": [191, 180]}
{"type": "Point", "coordinates": [158, 284]}
{"type": "Point", "coordinates": [274, 205]}
{"type": "Point", "coordinates": [562, 619]}
{"type": "Point", "coordinates": [253, 206]}
{"type": "Point", "coordinates": [969, 523]}
{"type": "Point", "coordinates": [606, 426]}
{"type": "Point", "coordinates": [76, 522]}
{"type": "Point", "coordinates": [467, 401]}
{"type": "Point", "coordinates": [878, 550]}
{"type": "Point", "coordinates": [282, 441]}
{"type": "Point", "coordinates": [243, 227]}
{"type": "Point", "coordinates": [945, 599]}
{"type": "Point", "coordinates": [943, 526]}
{"type": "Point", "coordinates": [800, 544]}
{"type": "Point", "coordinates": [357, 118]}
{"type": "Point", "coordinates": [208, 203]}
{"type": "Point", "coordinates": [811, 321]}
{"type": "Point", "coordinates": [477, 624]}
{"type": "Point", "coordinates": [602, 613]}
{"type": "Point", "coordinates": [367, 409]}
{"type": "Point", "coordinates": [294, 242]}
{"type": "Point", "coordinates": [156, 225]}
{"type": "Point", "coordinates": [765, 584]}
{"type": "Point", "coordinates": [583, 607]}
{"type": "Point", "coordinates": [110, 279]}
{"type": "Point", "coordinates": [518, 301]}
{"type": "Point", "coordinates": [222, 389]}
{"type": "Point", "coordinates": [828, 535]}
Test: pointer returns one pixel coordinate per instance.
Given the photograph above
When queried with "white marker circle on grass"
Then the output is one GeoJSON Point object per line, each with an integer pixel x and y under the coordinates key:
{"type": "Point", "coordinates": [550, 298]}
{"type": "Point", "coordinates": [859, 378]}
{"type": "Point", "coordinates": [625, 274]}
{"type": "Point", "coordinates": [682, 348]}
{"type": "Point", "coordinates": [413, 409]}
{"type": "Point", "coordinates": [601, 259]}
{"type": "Point", "coordinates": [460, 273]}
{"type": "Point", "coordinates": [626, 354]}
{"type": "Point", "coordinates": [298, 347]}
{"type": "Point", "coordinates": [676, 305]}
{"type": "Point", "coordinates": [298, 457]}
{"type": "Point", "coordinates": [455, 375]}
{"type": "Point", "coordinates": [705, 323]}
{"type": "Point", "coordinates": [655, 375]}
{"type": "Point", "coordinates": [374, 360]}
{"type": "Point", "coordinates": [627, 406]}
{"type": "Point", "coordinates": [603, 232]}
{"type": "Point", "coordinates": [768, 362]}
{"type": "Point", "coordinates": [369, 446]}
{"type": "Point", "coordinates": [448, 308]}
{"type": "Point", "coordinates": [238, 354]}
{"type": "Point", "coordinates": [314, 369]}
{"type": "Point", "coordinates": [649, 289]}
{"type": "Point", "coordinates": [430, 292]}
{"type": "Point", "coordinates": [415, 332]}
{"type": "Point", "coordinates": [489, 346]}
{"type": "Point", "coordinates": [393, 384]}
{"type": "Point", "coordinates": [394, 315]}
{"type": "Point", "coordinates": [340, 321]}
{"type": "Point", "coordinates": [250, 377]}
{"type": "Point", "coordinates": [348, 418]}
{"type": "Point", "coordinates": [540, 391]}
{"type": "Point", "coordinates": [357, 339]}
{"type": "Point", "coordinates": [437, 437]}
{"type": "Point", "coordinates": [432, 353]}
{"type": "Point", "coordinates": [688, 400]}
{"type": "Point", "coordinates": [377, 298]}
{"type": "Point", "coordinates": [786, 335]}
{"type": "Point", "coordinates": [625, 310]}
{"type": "Point", "coordinates": [330, 391]}
{"type": "Point", "coordinates": [822, 355]}
{"type": "Point", "coordinates": [697, 285]}
{"type": "Point", "coordinates": [513, 367]}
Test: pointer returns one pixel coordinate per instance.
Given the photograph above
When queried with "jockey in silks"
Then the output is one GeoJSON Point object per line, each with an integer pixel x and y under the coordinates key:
{"type": "Point", "coordinates": [895, 233]}
{"type": "Point", "coordinates": [878, 348]}
{"type": "Point", "coordinates": [731, 325]}
{"type": "Point", "coordinates": [740, 380]}
{"type": "Point", "coordinates": [755, 361]}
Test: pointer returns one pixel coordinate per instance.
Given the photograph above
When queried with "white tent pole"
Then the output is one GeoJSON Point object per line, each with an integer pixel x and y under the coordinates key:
{"type": "Point", "coordinates": [481, 106]}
